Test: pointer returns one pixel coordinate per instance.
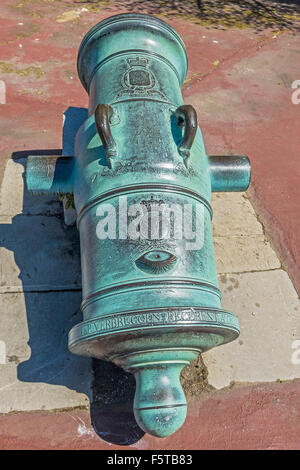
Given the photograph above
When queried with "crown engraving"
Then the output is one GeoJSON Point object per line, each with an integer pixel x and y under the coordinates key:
{"type": "Point", "coordinates": [152, 204]}
{"type": "Point", "coordinates": [138, 62]}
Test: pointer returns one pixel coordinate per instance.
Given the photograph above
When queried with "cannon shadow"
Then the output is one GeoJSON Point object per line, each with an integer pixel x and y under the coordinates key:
{"type": "Point", "coordinates": [47, 255]}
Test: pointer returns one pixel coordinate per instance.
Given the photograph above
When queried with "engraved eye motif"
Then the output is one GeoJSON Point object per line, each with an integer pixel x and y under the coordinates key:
{"type": "Point", "coordinates": [156, 262]}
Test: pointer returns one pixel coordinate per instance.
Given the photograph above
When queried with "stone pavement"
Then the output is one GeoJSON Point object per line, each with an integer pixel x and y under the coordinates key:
{"type": "Point", "coordinates": [240, 83]}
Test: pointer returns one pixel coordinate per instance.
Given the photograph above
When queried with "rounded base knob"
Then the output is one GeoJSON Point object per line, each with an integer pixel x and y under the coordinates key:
{"type": "Point", "coordinates": [159, 404]}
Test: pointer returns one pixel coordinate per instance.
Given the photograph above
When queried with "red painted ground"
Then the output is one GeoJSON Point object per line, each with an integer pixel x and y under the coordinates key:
{"type": "Point", "coordinates": [257, 417]}
{"type": "Point", "coordinates": [240, 83]}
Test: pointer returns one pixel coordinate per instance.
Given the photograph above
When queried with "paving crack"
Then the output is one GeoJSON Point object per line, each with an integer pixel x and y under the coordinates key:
{"type": "Point", "coordinates": [250, 271]}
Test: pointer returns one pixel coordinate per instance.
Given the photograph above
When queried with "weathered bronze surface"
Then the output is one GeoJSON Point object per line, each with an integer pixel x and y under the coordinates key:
{"type": "Point", "coordinates": [142, 186]}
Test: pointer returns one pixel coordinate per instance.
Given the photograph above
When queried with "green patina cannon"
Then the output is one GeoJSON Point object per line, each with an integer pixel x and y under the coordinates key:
{"type": "Point", "coordinates": [142, 186]}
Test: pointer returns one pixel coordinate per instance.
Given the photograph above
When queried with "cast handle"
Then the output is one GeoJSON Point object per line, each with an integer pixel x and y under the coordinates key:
{"type": "Point", "coordinates": [186, 116]}
{"type": "Point", "coordinates": [103, 114]}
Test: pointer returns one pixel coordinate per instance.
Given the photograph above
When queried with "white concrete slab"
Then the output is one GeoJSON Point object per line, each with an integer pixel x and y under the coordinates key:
{"type": "Point", "coordinates": [233, 215]}
{"type": "Point", "coordinates": [268, 310]}
{"type": "Point", "coordinates": [39, 372]}
{"type": "Point", "coordinates": [239, 254]}
{"type": "Point", "coordinates": [240, 244]}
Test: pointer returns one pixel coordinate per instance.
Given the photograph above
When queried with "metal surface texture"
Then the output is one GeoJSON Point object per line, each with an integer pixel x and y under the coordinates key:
{"type": "Point", "coordinates": [142, 186]}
